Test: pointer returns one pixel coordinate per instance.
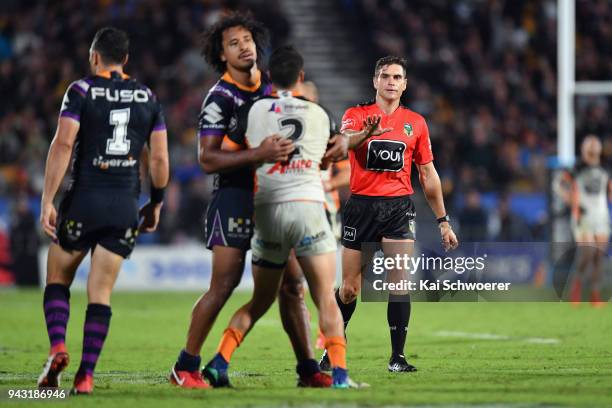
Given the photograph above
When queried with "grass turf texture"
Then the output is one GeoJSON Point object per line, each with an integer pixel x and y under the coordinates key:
{"type": "Point", "coordinates": [466, 353]}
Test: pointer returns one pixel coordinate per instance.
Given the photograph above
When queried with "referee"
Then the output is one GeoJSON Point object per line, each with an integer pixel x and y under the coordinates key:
{"type": "Point", "coordinates": [384, 139]}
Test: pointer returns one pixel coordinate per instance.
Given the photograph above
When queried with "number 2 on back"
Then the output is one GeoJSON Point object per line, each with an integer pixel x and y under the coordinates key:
{"type": "Point", "coordinates": [119, 145]}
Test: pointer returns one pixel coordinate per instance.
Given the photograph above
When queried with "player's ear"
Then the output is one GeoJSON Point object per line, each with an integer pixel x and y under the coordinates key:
{"type": "Point", "coordinates": [95, 58]}
{"type": "Point", "coordinates": [222, 56]}
{"type": "Point", "coordinates": [375, 82]}
{"type": "Point", "coordinates": [301, 77]}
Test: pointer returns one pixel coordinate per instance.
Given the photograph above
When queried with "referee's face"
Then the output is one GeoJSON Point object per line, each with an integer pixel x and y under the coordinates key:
{"type": "Point", "coordinates": [239, 49]}
{"type": "Point", "coordinates": [390, 82]}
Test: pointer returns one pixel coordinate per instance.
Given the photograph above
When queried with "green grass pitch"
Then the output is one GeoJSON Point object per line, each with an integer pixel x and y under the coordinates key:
{"type": "Point", "coordinates": [487, 354]}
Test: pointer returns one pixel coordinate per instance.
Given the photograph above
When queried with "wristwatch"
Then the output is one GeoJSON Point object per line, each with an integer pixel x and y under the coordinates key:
{"type": "Point", "coordinates": [445, 218]}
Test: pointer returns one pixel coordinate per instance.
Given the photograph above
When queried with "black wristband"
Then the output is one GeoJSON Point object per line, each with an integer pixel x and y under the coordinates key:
{"type": "Point", "coordinates": [157, 194]}
{"type": "Point", "coordinates": [445, 218]}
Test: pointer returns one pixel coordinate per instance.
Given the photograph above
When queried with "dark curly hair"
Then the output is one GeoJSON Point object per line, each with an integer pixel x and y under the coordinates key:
{"type": "Point", "coordinates": [212, 38]}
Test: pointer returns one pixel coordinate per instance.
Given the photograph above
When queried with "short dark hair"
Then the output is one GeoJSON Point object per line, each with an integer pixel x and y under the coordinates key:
{"type": "Point", "coordinates": [112, 44]}
{"type": "Point", "coordinates": [213, 37]}
{"type": "Point", "coordinates": [285, 65]}
{"type": "Point", "coordinates": [391, 60]}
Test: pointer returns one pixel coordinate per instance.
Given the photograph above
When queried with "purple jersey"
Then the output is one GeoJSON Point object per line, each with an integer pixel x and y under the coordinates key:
{"type": "Point", "coordinates": [116, 116]}
{"type": "Point", "coordinates": [219, 114]}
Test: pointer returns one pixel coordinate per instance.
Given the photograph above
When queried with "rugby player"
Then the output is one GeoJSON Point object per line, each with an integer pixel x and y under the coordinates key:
{"type": "Point", "coordinates": [106, 119]}
{"type": "Point", "coordinates": [385, 138]}
{"type": "Point", "coordinates": [289, 212]}
{"type": "Point", "coordinates": [233, 46]}
{"type": "Point", "coordinates": [338, 173]}
{"type": "Point", "coordinates": [591, 192]}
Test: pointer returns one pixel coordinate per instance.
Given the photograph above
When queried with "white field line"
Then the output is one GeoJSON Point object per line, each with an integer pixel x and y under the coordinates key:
{"type": "Point", "coordinates": [491, 336]}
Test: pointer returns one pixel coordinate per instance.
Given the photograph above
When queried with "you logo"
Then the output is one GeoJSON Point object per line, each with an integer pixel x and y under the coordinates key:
{"type": "Point", "coordinates": [385, 155]}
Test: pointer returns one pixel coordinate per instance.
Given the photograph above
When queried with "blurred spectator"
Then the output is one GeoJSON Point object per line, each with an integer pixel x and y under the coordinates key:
{"type": "Point", "coordinates": [473, 219]}
{"type": "Point", "coordinates": [25, 243]}
{"type": "Point", "coordinates": [505, 226]}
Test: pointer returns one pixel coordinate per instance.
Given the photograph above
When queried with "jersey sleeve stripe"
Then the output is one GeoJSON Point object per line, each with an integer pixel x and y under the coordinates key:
{"type": "Point", "coordinates": [161, 126]}
{"type": "Point", "coordinates": [71, 115]}
{"type": "Point", "coordinates": [211, 132]}
{"type": "Point", "coordinates": [83, 85]}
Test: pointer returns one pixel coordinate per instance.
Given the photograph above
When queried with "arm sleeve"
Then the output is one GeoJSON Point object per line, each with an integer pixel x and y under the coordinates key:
{"type": "Point", "coordinates": [236, 132]}
{"type": "Point", "coordinates": [74, 100]}
{"type": "Point", "coordinates": [159, 121]}
{"type": "Point", "coordinates": [422, 150]}
{"type": "Point", "coordinates": [215, 115]}
{"type": "Point", "coordinates": [351, 120]}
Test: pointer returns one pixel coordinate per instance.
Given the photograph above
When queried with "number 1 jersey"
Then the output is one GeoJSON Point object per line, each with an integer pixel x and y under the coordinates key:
{"type": "Point", "coordinates": [116, 116]}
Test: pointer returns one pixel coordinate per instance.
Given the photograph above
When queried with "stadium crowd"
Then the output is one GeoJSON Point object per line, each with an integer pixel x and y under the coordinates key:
{"type": "Point", "coordinates": [482, 72]}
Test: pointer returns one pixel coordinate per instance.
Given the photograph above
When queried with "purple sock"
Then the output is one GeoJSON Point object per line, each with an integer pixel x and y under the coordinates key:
{"type": "Point", "coordinates": [97, 321]}
{"type": "Point", "coordinates": [56, 304]}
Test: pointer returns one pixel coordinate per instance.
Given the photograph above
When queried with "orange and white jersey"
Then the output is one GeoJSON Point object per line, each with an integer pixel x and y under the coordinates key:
{"type": "Point", "coordinates": [304, 122]}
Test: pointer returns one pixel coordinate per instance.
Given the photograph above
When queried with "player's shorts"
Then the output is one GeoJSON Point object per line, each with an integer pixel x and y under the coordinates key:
{"type": "Point", "coordinates": [369, 219]}
{"type": "Point", "coordinates": [279, 227]}
{"type": "Point", "coordinates": [229, 218]}
{"type": "Point", "coordinates": [106, 218]}
{"type": "Point", "coordinates": [591, 225]}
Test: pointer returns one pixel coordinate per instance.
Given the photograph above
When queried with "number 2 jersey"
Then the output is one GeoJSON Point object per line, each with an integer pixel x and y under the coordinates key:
{"type": "Point", "coordinates": [304, 122]}
{"type": "Point", "coordinates": [381, 165]}
{"type": "Point", "coordinates": [116, 115]}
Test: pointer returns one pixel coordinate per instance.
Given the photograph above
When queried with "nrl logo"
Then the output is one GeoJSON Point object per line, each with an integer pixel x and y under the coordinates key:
{"type": "Point", "coordinates": [408, 129]}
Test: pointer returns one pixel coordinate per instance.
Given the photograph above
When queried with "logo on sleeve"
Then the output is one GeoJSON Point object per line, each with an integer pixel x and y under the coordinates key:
{"type": "Point", "coordinates": [233, 125]}
{"type": "Point", "coordinates": [385, 155]}
{"type": "Point", "coordinates": [347, 123]}
{"type": "Point", "coordinates": [213, 113]}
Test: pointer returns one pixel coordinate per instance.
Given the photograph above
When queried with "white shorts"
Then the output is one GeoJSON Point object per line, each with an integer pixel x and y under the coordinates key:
{"type": "Point", "coordinates": [589, 225]}
{"type": "Point", "coordinates": [280, 227]}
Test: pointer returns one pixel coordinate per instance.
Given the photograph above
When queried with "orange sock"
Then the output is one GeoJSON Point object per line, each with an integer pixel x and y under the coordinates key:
{"type": "Point", "coordinates": [336, 350]}
{"type": "Point", "coordinates": [58, 348]}
{"type": "Point", "coordinates": [229, 342]}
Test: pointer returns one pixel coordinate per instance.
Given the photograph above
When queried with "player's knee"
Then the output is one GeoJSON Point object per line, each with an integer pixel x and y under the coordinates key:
{"type": "Point", "coordinates": [292, 288]}
{"type": "Point", "coordinates": [223, 290]}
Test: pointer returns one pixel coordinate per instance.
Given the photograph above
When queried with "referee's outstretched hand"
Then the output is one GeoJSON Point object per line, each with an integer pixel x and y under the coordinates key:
{"type": "Point", "coordinates": [371, 126]}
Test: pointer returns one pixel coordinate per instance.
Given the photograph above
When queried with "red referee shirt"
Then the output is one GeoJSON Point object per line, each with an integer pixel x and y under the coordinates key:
{"type": "Point", "coordinates": [381, 165]}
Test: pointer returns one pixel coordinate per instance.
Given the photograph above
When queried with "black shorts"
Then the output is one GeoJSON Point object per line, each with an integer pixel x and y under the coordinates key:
{"type": "Point", "coordinates": [229, 218]}
{"type": "Point", "coordinates": [369, 219]}
{"type": "Point", "coordinates": [105, 217]}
